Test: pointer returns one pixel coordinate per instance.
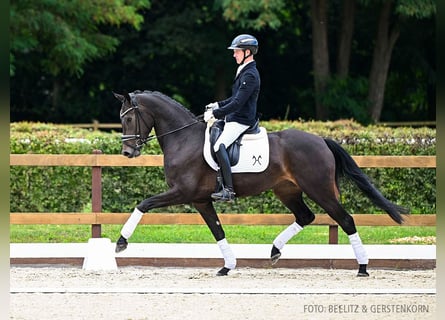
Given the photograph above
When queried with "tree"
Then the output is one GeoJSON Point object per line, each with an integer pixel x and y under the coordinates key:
{"type": "Point", "coordinates": [392, 13]}
{"type": "Point", "coordinates": [320, 53]}
{"type": "Point", "coordinates": [253, 14]}
{"type": "Point", "coordinates": [345, 37]}
{"type": "Point", "coordinates": [68, 33]}
{"type": "Point", "coordinates": [181, 50]}
{"type": "Point", "coordinates": [388, 31]}
{"type": "Point", "coordinates": [62, 36]}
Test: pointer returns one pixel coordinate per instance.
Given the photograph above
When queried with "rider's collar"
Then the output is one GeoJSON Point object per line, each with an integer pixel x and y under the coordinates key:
{"type": "Point", "coordinates": [241, 67]}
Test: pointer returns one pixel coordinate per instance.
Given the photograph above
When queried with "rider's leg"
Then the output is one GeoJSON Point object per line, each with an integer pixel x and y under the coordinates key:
{"type": "Point", "coordinates": [232, 130]}
{"type": "Point", "coordinates": [226, 193]}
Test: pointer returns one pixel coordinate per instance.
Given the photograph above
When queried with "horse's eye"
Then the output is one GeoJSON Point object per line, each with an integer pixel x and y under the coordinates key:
{"type": "Point", "coordinates": [128, 120]}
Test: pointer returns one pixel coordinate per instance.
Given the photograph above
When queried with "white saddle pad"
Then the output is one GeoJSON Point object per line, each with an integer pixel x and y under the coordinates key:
{"type": "Point", "coordinates": [254, 153]}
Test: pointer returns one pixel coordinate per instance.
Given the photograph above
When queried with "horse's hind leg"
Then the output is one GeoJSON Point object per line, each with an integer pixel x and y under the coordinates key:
{"type": "Point", "coordinates": [209, 215]}
{"type": "Point", "coordinates": [291, 196]}
{"type": "Point", "coordinates": [346, 222]}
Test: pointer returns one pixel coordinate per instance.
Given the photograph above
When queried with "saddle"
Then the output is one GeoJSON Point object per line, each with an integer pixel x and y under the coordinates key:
{"type": "Point", "coordinates": [234, 149]}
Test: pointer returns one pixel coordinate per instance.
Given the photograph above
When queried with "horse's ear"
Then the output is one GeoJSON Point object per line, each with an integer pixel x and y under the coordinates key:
{"type": "Point", "coordinates": [120, 97]}
{"type": "Point", "coordinates": [127, 96]}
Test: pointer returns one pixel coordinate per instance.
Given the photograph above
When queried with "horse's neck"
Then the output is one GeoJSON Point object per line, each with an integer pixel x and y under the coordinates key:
{"type": "Point", "coordinates": [188, 141]}
{"type": "Point", "coordinates": [167, 124]}
{"type": "Point", "coordinates": [176, 127]}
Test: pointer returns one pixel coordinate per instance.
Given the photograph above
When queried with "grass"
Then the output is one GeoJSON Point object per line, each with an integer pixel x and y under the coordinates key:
{"type": "Point", "coordinates": [234, 234]}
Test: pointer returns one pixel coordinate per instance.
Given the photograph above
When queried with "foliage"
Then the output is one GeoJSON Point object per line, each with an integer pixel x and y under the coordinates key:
{"type": "Point", "coordinates": [416, 8]}
{"type": "Point", "coordinates": [410, 8]}
{"type": "Point", "coordinates": [367, 140]}
{"type": "Point", "coordinates": [346, 98]}
{"type": "Point", "coordinates": [254, 14]}
{"type": "Point", "coordinates": [180, 49]}
{"type": "Point", "coordinates": [68, 189]}
{"type": "Point", "coordinates": [66, 35]}
{"type": "Point", "coordinates": [338, 101]}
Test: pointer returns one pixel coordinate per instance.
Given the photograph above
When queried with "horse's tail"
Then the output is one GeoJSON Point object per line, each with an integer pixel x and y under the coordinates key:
{"type": "Point", "coordinates": [346, 166]}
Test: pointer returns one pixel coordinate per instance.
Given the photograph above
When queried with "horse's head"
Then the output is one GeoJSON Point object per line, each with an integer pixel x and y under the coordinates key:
{"type": "Point", "coordinates": [135, 129]}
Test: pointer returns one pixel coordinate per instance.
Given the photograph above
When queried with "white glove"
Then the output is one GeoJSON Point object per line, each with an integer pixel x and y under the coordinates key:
{"type": "Point", "coordinates": [208, 115]}
{"type": "Point", "coordinates": [212, 106]}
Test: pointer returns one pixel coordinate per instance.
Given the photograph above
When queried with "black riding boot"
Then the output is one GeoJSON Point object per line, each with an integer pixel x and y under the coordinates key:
{"type": "Point", "coordinates": [227, 193]}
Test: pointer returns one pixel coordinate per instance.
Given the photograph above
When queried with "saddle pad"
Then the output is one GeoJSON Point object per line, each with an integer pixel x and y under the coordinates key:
{"type": "Point", "coordinates": [254, 153]}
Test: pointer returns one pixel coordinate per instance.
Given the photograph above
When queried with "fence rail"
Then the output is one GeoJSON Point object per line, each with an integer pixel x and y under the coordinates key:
{"type": "Point", "coordinates": [91, 160]}
{"type": "Point", "coordinates": [195, 219]}
{"type": "Point", "coordinates": [97, 160]}
{"type": "Point", "coordinates": [96, 125]}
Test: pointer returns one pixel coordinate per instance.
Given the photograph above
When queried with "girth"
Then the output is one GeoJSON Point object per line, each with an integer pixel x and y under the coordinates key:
{"type": "Point", "coordinates": [234, 149]}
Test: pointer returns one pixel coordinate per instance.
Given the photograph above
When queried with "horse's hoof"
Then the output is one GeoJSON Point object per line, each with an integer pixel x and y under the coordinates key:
{"type": "Point", "coordinates": [223, 272]}
{"type": "Point", "coordinates": [363, 274]}
{"type": "Point", "coordinates": [121, 244]}
{"type": "Point", "coordinates": [362, 271]}
{"type": "Point", "coordinates": [275, 255]}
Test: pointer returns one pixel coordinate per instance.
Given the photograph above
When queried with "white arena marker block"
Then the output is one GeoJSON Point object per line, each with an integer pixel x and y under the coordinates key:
{"type": "Point", "coordinates": [100, 255]}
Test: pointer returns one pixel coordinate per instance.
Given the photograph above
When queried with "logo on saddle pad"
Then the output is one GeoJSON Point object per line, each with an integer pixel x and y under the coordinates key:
{"type": "Point", "coordinates": [249, 153]}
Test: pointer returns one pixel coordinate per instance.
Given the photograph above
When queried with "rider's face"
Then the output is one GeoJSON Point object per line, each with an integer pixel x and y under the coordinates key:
{"type": "Point", "coordinates": [238, 54]}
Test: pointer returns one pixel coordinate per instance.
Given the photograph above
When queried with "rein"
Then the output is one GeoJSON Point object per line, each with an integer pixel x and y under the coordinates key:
{"type": "Point", "coordinates": [152, 137]}
{"type": "Point", "coordinates": [141, 141]}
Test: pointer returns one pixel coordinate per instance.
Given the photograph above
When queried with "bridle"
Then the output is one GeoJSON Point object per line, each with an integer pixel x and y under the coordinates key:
{"type": "Point", "coordinates": [141, 141]}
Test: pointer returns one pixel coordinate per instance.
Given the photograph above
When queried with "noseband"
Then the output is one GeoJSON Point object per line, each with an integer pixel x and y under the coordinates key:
{"type": "Point", "coordinates": [140, 141]}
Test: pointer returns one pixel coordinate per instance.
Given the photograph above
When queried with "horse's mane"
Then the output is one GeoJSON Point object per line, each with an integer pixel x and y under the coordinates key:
{"type": "Point", "coordinates": [167, 99]}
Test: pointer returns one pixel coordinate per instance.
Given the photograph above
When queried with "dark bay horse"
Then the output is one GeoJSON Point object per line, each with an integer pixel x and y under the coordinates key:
{"type": "Point", "coordinates": [300, 162]}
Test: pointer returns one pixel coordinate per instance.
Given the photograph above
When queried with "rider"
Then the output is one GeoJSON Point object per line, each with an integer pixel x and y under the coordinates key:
{"type": "Point", "coordinates": [238, 111]}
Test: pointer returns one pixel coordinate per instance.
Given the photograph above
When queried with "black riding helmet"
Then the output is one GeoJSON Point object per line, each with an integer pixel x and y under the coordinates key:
{"type": "Point", "coordinates": [243, 42]}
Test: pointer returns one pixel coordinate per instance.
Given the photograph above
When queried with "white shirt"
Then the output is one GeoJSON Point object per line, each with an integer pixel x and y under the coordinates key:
{"type": "Point", "coordinates": [241, 67]}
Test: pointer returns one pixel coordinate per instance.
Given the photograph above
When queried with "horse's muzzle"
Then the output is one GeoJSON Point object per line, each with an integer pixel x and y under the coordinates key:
{"type": "Point", "coordinates": [134, 154]}
{"type": "Point", "coordinates": [130, 152]}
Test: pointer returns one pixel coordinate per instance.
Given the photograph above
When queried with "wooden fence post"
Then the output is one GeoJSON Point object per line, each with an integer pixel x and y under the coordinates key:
{"type": "Point", "coordinates": [333, 234]}
{"type": "Point", "coordinates": [96, 196]}
{"type": "Point", "coordinates": [95, 125]}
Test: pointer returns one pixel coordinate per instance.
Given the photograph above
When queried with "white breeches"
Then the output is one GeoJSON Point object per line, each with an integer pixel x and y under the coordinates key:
{"type": "Point", "coordinates": [232, 130]}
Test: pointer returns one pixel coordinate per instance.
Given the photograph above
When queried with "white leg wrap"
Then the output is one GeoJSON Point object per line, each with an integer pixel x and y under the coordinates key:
{"type": "Point", "coordinates": [131, 224]}
{"type": "Point", "coordinates": [286, 235]}
{"type": "Point", "coordinates": [229, 257]}
{"type": "Point", "coordinates": [359, 250]}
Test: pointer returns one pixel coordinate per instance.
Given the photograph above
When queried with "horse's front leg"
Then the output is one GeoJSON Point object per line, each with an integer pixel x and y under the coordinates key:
{"type": "Point", "coordinates": [209, 215]}
{"type": "Point", "coordinates": [170, 197]}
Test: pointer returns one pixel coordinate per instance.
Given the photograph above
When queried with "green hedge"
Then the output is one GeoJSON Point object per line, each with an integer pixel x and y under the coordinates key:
{"type": "Point", "coordinates": [68, 189]}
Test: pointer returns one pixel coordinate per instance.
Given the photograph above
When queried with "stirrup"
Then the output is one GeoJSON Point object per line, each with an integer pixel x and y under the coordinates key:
{"type": "Point", "coordinates": [224, 195]}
